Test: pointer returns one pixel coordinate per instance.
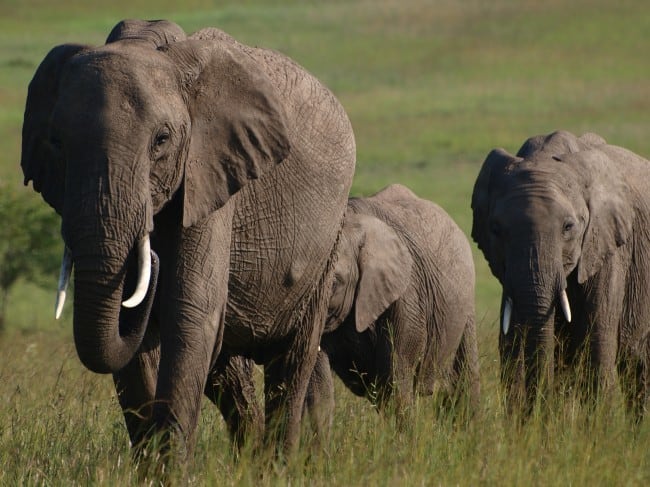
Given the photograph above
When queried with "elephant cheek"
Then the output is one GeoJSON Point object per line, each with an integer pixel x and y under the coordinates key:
{"type": "Point", "coordinates": [165, 180]}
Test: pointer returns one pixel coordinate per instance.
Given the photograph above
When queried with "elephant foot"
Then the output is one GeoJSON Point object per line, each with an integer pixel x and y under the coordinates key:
{"type": "Point", "coordinates": [160, 452]}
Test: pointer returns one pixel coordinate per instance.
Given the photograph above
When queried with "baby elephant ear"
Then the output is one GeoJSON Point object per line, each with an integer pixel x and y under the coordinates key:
{"type": "Point", "coordinates": [239, 126]}
{"type": "Point", "coordinates": [384, 271]}
{"type": "Point", "coordinates": [592, 140]}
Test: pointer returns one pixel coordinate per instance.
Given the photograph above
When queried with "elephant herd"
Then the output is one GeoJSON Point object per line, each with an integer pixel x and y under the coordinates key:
{"type": "Point", "coordinates": [203, 190]}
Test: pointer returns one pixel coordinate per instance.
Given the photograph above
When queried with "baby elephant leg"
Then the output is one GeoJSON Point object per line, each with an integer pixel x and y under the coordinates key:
{"type": "Point", "coordinates": [319, 402]}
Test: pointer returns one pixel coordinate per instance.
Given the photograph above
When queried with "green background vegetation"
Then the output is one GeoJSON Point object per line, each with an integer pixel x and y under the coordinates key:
{"type": "Point", "coordinates": [431, 87]}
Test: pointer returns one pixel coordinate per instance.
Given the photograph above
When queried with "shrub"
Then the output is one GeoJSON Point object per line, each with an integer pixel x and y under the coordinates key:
{"type": "Point", "coordinates": [30, 244]}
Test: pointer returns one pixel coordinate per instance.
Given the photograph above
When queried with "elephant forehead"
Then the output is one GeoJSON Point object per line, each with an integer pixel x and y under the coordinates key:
{"type": "Point", "coordinates": [534, 195]}
{"type": "Point", "coordinates": [553, 179]}
{"type": "Point", "coordinates": [136, 71]}
{"type": "Point", "coordinates": [535, 215]}
{"type": "Point", "coordinates": [119, 94]}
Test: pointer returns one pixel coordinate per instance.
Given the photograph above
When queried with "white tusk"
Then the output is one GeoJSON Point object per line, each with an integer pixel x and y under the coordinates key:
{"type": "Point", "coordinates": [507, 314]}
{"type": "Point", "coordinates": [144, 274]}
{"type": "Point", "coordinates": [564, 303]}
{"type": "Point", "coordinates": [64, 280]}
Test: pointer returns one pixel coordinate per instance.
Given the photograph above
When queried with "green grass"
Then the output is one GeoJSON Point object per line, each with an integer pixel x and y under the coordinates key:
{"type": "Point", "coordinates": [431, 88]}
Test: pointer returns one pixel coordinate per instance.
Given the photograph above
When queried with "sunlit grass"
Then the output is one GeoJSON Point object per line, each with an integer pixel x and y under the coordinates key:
{"type": "Point", "coordinates": [62, 425]}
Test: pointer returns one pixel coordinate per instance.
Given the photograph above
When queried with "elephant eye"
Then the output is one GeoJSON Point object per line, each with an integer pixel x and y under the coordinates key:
{"type": "Point", "coordinates": [567, 229]}
{"type": "Point", "coordinates": [162, 138]}
{"type": "Point", "coordinates": [336, 282]}
{"type": "Point", "coordinates": [160, 143]}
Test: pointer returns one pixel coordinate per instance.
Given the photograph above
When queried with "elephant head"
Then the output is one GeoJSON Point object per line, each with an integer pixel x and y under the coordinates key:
{"type": "Point", "coordinates": [372, 271]}
{"type": "Point", "coordinates": [551, 214]}
{"type": "Point", "coordinates": [112, 134]}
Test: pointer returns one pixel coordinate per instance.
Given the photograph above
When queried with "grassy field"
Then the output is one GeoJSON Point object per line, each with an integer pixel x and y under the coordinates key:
{"type": "Point", "coordinates": [431, 88]}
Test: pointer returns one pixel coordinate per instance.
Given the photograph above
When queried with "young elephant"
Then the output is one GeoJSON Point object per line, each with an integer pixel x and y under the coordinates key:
{"type": "Point", "coordinates": [401, 314]}
{"type": "Point", "coordinates": [564, 225]}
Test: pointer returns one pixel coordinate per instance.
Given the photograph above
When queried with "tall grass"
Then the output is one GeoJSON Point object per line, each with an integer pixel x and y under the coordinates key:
{"type": "Point", "coordinates": [431, 88]}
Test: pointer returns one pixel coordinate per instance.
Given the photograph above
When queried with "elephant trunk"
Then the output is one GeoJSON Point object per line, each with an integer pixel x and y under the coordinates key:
{"type": "Point", "coordinates": [107, 334]}
{"type": "Point", "coordinates": [527, 351]}
{"type": "Point", "coordinates": [539, 355]}
{"type": "Point", "coordinates": [527, 341]}
{"type": "Point", "coordinates": [101, 231]}
{"type": "Point", "coordinates": [105, 215]}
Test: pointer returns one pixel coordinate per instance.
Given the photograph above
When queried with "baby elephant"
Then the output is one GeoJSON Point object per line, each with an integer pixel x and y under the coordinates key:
{"type": "Point", "coordinates": [401, 315]}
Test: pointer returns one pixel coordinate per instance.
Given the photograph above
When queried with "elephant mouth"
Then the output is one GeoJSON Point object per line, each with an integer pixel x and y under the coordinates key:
{"type": "Point", "coordinates": [506, 317]}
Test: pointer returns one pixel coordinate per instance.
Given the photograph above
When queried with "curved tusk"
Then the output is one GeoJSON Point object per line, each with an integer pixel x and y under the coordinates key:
{"type": "Point", "coordinates": [144, 274]}
{"type": "Point", "coordinates": [507, 314]}
{"type": "Point", "coordinates": [64, 280]}
{"type": "Point", "coordinates": [564, 303]}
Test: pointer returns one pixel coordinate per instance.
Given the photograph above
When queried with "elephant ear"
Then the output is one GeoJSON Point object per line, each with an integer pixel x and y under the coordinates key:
{"type": "Point", "coordinates": [239, 127]}
{"type": "Point", "coordinates": [592, 140]}
{"type": "Point", "coordinates": [611, 215]}
{"type": "Point", "coordinates": [384, 270]}
{"type": "Point", "coordinates": [41, 158]}
{"type": "Point", "coordinates": [496, 164]}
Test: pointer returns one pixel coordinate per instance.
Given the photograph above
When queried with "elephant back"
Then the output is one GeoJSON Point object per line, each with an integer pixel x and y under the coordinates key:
{"type": "Point", "coordinates": [441, 252]}
{"type": "Point", "coordinates": [428, 227]}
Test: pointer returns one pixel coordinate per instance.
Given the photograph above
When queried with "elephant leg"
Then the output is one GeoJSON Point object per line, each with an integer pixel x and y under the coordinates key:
{"type": "Point", "coordinates": [602, 361]}
{"type": "Point", "coordinates": [465, 376]}
{"type": "Point", "coordinates": [319, 402]}
{"type": "Point", "coordinates": [380, 391]}
{"type": "Point", "coordinates": [285, 386]}
{"type": "Point", "coordinates": [231, 387]}
{"type": "Point", "coordinates": [286, 377]}
{"type": "Point", "coordinates": [135, 385]}
{"type": "Point", "coordinates": [512, 371]}
{"type": "Point", "coordinates": [403, 379]}
{"type": "Point", "coordinates": [603, 337]}
{"type": "Point", "coordinates": [634, 372]}
{"type": "Point", "coordinates": [396, 363]}
{"type": "Point", "coordinates": [191, 326]}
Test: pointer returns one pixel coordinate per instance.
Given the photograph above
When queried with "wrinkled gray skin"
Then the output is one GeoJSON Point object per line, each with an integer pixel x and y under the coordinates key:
{"type": "Point", "coordinates": [401, 316]}
{"type": "Point", "coordinates": [569, 214]}
{"type": "Point", "coordinates": [154, 134]}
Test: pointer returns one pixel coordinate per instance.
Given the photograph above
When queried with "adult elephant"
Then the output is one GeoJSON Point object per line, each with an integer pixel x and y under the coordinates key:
{"type": "Point", "coordinates": [401, 316]}
{"type": "Point", "coordinates": [564, 226]}
{"type": "Point", "coordinates": [150, 141]}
